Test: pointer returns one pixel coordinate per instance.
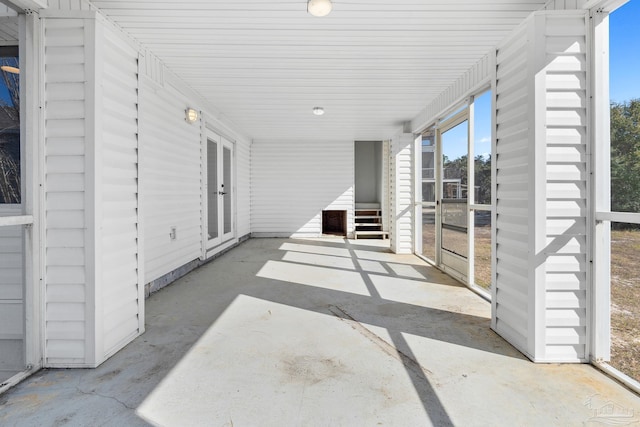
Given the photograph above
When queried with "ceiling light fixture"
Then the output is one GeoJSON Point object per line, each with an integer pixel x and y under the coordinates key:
{"type": "Point", "coordinates": [319, 7]}
{"type": "Point", "coordinates": [318, 111]}
{"type": "Point", "coordinates": [10, 69]}
{"type": "Point", "coordinates": [191, 115]}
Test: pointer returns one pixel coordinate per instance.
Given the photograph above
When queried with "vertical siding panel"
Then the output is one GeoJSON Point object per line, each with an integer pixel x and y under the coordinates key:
{"type": "Point", "coordinates": [293, 181]}
{"type": "Point", "coordinates": [66, 284]}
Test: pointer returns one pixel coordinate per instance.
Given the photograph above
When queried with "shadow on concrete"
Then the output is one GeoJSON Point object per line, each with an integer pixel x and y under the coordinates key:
{"type": "Point", "coordinates": [179, 315]}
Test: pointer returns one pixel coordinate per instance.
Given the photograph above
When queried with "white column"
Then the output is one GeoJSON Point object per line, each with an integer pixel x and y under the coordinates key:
{"type": "Point", "coordinates": [401, 193]}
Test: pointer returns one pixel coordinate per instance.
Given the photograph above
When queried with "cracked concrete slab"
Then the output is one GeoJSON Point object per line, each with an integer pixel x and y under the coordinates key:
{"type": "Point", "coordinates": [282, 332]}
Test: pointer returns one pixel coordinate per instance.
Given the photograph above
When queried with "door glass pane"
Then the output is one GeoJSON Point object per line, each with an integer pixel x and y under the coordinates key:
{"type": "Point", "coordinates": [212, 181]}
{"type": "Point", "coordinates": [454, 227]}
{"type": "Point", "coordinates": [482, 148]}
{"type": "Point", "coordinates": [454, 189]}
{"type": "Point", "coordinates": [429, 232]}
{"type": "Point", "coordinates": [482, 248]}
{"type": "Point", "coordinates": [226, 185]}
{"type": "Point", "coordinates": [428, 167]}
{"type": "Point", "coordinates": [429, 194]}
{"type": "Point", "coordinates": [9, 126]}
{"type": "Point", "coordinates": [454, 162]}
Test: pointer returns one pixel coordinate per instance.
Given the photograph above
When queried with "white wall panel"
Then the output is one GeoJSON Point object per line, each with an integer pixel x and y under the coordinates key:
{"type": "Point", "coordinates": [541, 262]}
{"type": "Point", "coordinates": [566, 186]}
{"type": "Point", "coordinates": [292, 182]}
{"type": "Point", "coordinates": [401, 194]}
{"type": "Point", "coordinates": [11, 294]}
{"type": "Point", "coordinates": [475, 78]}
{"type": "Point", "coordinates": [511, 299]}
{"type": "Point", "coordinates": [243, 187]}
{"type": "Point", "coordinates": [171, 167]}
{"type": "Point", "coordinates": [117, 195]}
{"type": "Point", "coordinates": [172, 182]}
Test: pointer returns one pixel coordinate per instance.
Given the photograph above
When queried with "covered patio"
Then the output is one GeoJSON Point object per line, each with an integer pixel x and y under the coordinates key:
{"type": "Point", "coordinates": [319, 332]}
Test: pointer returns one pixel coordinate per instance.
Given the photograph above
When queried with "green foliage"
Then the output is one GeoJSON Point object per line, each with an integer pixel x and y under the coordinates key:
{"type": "Point", "coordinates": [457, 169]}
{"type": "Point", "coordinates": [625, 156]}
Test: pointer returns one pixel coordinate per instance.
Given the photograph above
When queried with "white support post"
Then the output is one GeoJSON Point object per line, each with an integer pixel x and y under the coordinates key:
{"type": "Point", "coordinates": [402, 166]}
{"type": "Point", "coordinates": [600, 144]}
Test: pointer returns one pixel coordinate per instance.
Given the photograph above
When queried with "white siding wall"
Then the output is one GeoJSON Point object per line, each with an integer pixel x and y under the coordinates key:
{"type": "Point", "coordinates": [541, 266]}
{"type": "Point", "coordinates": [566, 186]}
{"type": "Point", "coordinates": [67, 305]}
{"type": "Point", "coordinates": [117, 206]}
{"type": "Point", "coordinates": [476, 78]}
{"type": "Point", "coordinates": [171, 180]}
{"type": "Point", "coordinates": [292, 182]}
{"type": "Point", "coordinates": [171, 165]}
{"type": "Point", "coordinates": [565, 4]}
{"type": "Point", "coordinates": [243, 188]}
{"type": "Point", "coordinates": [511, 298]}
{"type": "Point", "coordinates": [402, 197]}
{"type": "Point", "coordinates": [11, 294]}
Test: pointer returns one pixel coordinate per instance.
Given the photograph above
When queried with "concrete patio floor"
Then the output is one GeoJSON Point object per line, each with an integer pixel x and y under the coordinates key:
{"type": "Point", "coordinates": [319, 332]}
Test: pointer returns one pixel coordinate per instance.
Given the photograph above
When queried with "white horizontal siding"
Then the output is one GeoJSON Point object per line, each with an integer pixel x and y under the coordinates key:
{"type": "Point", "coordinates": [171, 176]}
{"type": "Point", "coordinates": [243, 187]}
{"type": "Point", "coordinates": [477, 76]}
{"type": "Point", "coordinates": [66, 5]}
{"type": "Point", "coordinates": [118, 158]}
{"type": "Point", "coordinates": [292, 182]}
{"type": "Point", "coordinates": [8, 28]}
{"type": "Point", "coordinates": [402, 197]}
{"type": "Point", "coordinates": [511, 299]}
{"type": "Point", "coordinates": [566, 186]}
{"type": "Point", "coordinates": [11, 293]}
{"type": "Point", "coordinates": [565, 4]}
{"type": "Point", "coordinates": [542, 171]}
{"type": "Point", "coordinates": [66, 330]}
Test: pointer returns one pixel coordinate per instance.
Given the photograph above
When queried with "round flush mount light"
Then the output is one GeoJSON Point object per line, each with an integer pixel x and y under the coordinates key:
{"type": "Point", "coordinates": [318, 111]}
{"type": "Point", "coordinates": [319, 7]}
{"type": "Point", "coordinates": [191, 115]}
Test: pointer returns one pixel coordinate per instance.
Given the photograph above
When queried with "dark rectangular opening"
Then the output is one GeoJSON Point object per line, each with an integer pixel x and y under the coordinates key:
{"type": "Point", "coordinates": [334, 223]}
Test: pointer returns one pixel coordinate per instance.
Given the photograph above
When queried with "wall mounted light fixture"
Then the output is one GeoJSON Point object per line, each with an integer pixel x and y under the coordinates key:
{"type": "Point", "coordinates": [319, 7]}
{"type": "Point", "coordinates": [191, 115]}
{"type": "Point", "coordinates": [318, 111]}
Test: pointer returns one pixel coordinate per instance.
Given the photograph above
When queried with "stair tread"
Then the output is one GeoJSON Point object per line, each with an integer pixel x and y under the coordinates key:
{"type": "Point", "coordinates": [371, 232]}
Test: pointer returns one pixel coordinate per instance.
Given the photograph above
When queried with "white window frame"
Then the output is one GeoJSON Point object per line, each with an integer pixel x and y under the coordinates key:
{"type": "Point", "coordinates": [452, 117]}
{"type": "Point", "coordinates": [600, 152]}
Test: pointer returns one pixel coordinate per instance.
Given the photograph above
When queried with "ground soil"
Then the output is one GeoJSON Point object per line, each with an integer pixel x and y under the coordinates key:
{"type": "Point", "coordinates": [625, 302]}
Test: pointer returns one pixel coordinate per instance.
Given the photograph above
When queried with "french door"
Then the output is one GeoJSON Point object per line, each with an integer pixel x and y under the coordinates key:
{"type": "Point", "coordinates": [220, 188]}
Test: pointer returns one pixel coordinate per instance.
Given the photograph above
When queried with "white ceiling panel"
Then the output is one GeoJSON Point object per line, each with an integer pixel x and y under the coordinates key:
{"type": "Point", "coordinates": [371, 64]}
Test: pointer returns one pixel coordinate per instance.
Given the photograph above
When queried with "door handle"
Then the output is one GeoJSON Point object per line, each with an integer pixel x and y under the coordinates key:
{"type": "Point", "coordinates": [222, 193]}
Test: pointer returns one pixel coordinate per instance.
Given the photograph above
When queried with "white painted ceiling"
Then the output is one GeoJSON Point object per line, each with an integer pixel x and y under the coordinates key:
{"type": "Point", "coordinates": [372, 64]}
